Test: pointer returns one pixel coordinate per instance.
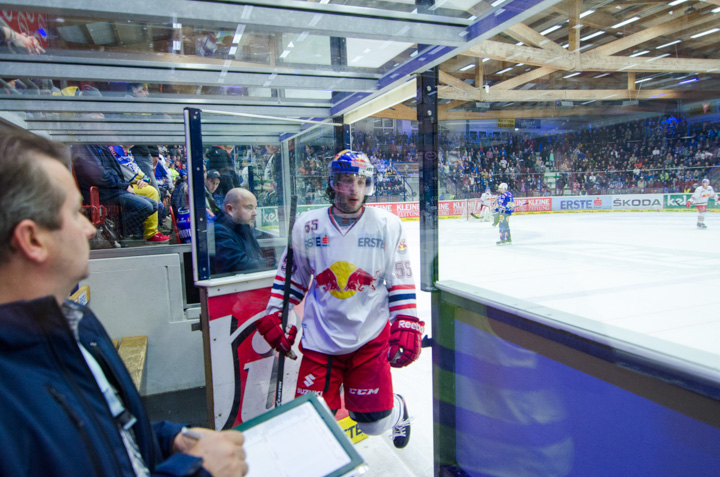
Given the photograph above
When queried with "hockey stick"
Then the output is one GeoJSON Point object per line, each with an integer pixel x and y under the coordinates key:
{"type": "Point", "coordinates": [289, 258]}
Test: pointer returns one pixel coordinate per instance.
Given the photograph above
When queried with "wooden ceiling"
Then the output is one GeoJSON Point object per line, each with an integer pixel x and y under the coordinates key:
{"type": "Point", "coordinates": [522, 73]}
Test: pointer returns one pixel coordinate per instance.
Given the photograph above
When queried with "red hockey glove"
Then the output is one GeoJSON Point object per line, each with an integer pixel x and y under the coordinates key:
{"type": "Point", "coordinates": [270, 328]}
{"type": "Point", "coordinates": [688, 203]}
{"type": "Point", "coordinates": [405, 339]}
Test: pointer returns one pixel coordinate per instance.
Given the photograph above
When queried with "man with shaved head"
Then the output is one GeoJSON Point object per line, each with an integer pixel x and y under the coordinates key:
{"type": "Point", "coordinates": [236, 248]}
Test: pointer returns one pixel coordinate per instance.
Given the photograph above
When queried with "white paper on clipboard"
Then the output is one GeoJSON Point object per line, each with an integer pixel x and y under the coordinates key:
{"type": "Point", "coordinates": [296, 443]}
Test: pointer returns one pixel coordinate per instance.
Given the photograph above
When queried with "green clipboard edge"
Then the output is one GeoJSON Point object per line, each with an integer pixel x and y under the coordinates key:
{"type": "Point", "coordinates": [356, 461]}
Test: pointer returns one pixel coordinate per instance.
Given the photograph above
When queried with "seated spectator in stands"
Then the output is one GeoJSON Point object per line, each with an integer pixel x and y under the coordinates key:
{"type": "Point", "coordinates": [212, 181]}
{"type": "Point", "coordinates": [69, 405]}
{"type": "Point", "coordinates": [163, 176]}
{"type": "Point", "coordinates": [144, 160]}
{"type": "Point", "coordinates": [96, 166]}
{"type": "Point", "coordinates": [140, 185]}
{"type": "Point", "coordinates": [137, 90]}
{"type": "Point", "coordinates": [236, 248]}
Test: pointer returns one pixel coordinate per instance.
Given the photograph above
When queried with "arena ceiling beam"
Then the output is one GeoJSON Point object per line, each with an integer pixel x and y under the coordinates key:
{"type": "Point", "coordinates": [409, 114]}
{"type": "Point", "coordinates": [535, 95]}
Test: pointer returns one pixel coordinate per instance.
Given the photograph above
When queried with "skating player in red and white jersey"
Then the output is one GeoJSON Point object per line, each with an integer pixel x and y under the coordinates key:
{"type": "Point", "coordinates": [700, 200]}
{"type": "Point", "coordinates": [351, 264]}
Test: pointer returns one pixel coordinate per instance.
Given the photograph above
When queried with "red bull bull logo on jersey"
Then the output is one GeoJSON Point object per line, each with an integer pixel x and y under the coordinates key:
{"type": "Point", "coordinates": [343, 279]}
{"type": "Point", "coordinates": [402, 247]}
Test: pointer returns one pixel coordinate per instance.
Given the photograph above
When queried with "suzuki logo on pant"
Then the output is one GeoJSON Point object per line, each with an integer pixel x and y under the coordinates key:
{"type": "Point", "coordinates": [309, 380]}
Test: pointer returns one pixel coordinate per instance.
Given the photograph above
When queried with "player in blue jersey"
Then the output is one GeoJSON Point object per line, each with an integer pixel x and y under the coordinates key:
{"type": "Point", "coordinates": [504, 207]}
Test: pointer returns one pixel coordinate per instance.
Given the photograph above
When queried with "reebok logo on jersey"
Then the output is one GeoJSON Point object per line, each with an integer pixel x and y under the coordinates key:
{"type": "Point", "coordinates": [309, 380]}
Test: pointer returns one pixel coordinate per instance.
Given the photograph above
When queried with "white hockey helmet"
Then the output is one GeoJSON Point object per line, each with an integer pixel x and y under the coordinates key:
{"type": "Point", "coordinates": [706, 182]}
{"type": "Point", "coordinates": [502, 187]}
{"type": "Point", "coordinates": [353, 162]}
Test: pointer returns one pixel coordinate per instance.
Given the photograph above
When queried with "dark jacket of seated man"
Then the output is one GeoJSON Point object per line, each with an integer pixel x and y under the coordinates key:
{"type": "Point", "coordinates": [236, 248]}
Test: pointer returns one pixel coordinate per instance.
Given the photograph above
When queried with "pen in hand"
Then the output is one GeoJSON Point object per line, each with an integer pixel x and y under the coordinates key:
{"type": "Point", "coordinates": [190, 434]}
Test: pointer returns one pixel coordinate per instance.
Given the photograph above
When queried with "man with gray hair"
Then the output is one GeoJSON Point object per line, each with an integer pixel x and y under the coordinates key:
{"type": "Point", "coordinates": [69, 406]}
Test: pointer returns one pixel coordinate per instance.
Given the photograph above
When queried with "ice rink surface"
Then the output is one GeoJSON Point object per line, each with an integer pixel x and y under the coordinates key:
{"type": "Point", "coordinates": [650, 273]}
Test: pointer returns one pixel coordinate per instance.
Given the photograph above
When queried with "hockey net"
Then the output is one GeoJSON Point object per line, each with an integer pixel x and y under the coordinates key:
{"type": "Point", "coordinates": [472, 206]}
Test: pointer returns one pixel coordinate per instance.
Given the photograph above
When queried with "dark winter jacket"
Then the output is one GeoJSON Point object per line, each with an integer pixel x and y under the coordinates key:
{"type": "Point", "coordinates": [236, 248]}
{"type": "Point", "coordinates": [96, 166]}
{"type": "Point", "coordinates": [54, 419]}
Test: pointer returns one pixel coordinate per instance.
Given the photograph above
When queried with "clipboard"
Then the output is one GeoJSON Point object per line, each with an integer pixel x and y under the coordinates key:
{"type": "Point", "coordinates": [299, 439]}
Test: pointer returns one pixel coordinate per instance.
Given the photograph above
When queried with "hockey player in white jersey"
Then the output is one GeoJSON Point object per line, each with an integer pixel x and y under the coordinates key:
{"type": "Point", "coordinates": [351, 264]}
{"type": "Point", "coordinates": [700, 200]}
{"type": "Point", "coordinates": [486, 201]}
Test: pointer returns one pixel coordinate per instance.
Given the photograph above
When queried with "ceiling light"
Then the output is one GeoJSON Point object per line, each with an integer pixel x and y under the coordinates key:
{"type": "Point", "coordinates": [579, 25]}
{"type": "Point", "coordinates": [626, 22]}
{"type": "Point", "coordinates": [676, 2]}
{"type": "Point", "coordinates": [284, 53]}
{"type": "Point", "coordinates": [497, 2]}
{"type": "Point", "coordinates": [486, 59]}
{"type": "Point", "coordinates": [177, 26]}
{"type": "Point", "coordinates": [643, 80]}
{"type": "Point", "coordinates": [602, 75]}
{"type": "Point", "coordinates": [586, 13]}
{"type": "Point", "coordinates": [504, 71]}
{"type": "Point", "coordinates": [716, 10]}
{"type": "Point", "coordinates": [588, 102]}
{"type": "Point", "coordinates": [519, 43]}
{"type": "Point", "coordinates": [232, 50]}
{"type": "Point", "coordinates": [705, 33]}
{"type": "Point", "coordinates": [465, 68]}
{"type": "Point", "coordinates": [658, 57]}
{"type": "Point", "coordinates": [592, 35]}
{"type": "Point", "coordinates": [551, 29]}
{"type": "Point", "coordinates": [639, 53]}
{"type": "Point", "coordinates": [688, 81]}
{"type": "Point", "coordinates": [566, 45]}
{"type": "Point", "coordinates": [572, 74]}
{"type": "Point", "coordinates": [668, 44]}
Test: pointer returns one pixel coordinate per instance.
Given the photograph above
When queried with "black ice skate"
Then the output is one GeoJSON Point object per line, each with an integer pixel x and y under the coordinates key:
{"type": "Point", "coordinates": [475, 215]}
{"type": "Point", "coordinates": [401, 431]}
{"type": "Point", "coordinates": [701, 225]}
{"type": "Point", "coordinates": [504, 242]}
